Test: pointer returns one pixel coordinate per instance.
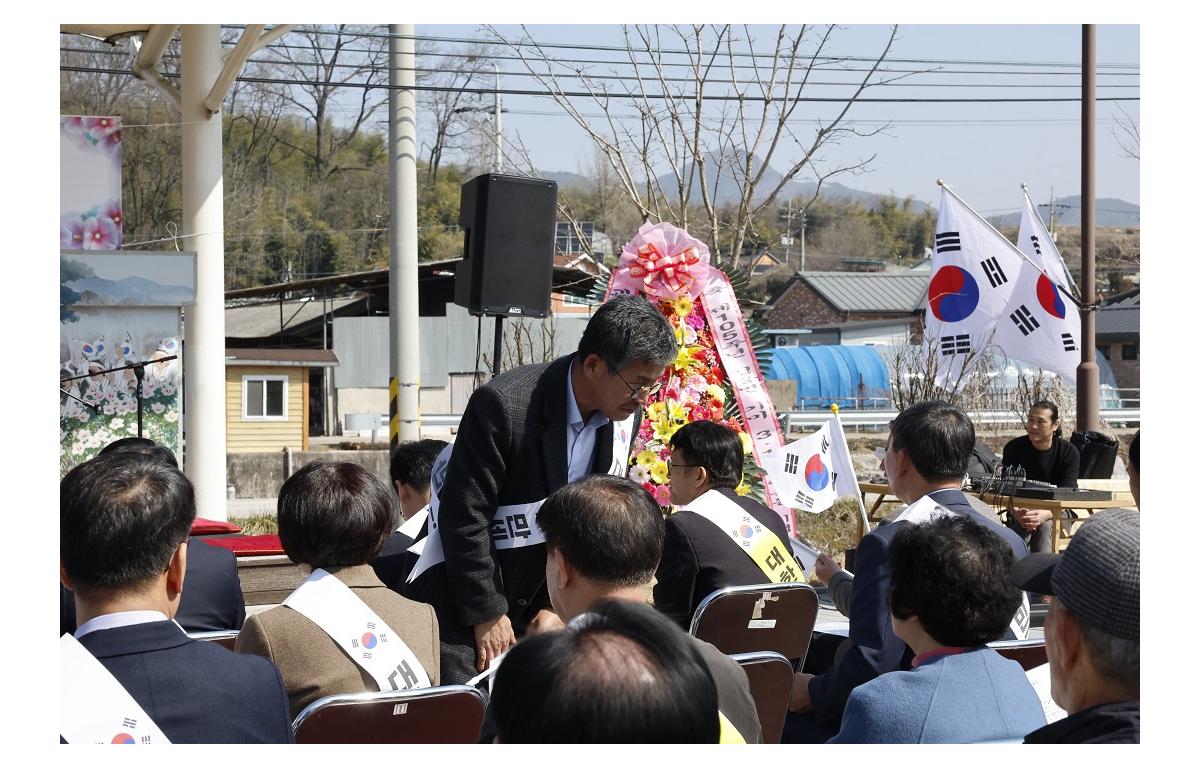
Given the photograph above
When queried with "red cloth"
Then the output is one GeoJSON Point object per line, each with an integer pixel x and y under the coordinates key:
{"type": "Point", "coordinates": [247, 546]}
{"type": "Point", "coordinates": [202, 526]}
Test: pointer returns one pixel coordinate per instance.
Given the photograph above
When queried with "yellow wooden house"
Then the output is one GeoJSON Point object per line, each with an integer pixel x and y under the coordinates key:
{"type": "Point", "coordinates": [267, 397]}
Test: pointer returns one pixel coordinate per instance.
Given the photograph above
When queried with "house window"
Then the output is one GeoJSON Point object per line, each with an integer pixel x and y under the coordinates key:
{"type": "Point", "coordinates": [1129, 351]}
{"type": "Point", "coordinates": [264, 398]}
{"type": "Point", "coordinates": [1103, 350]}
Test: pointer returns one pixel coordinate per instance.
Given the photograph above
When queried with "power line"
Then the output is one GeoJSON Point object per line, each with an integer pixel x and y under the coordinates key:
{"type": "Point", "coordinates": [636, 96]}
{"type": "Point", "coordinates": [580, 75]}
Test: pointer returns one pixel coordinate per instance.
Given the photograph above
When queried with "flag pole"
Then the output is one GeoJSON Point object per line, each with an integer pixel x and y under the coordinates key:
{"type": "Point", "coordinates": [858, 496]}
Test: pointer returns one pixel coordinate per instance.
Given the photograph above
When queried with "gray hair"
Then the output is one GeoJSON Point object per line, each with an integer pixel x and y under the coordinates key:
{"type": "Point", "coordinates": [626, 329]}
{"type": "Point", "coordinates": [1116, 659]}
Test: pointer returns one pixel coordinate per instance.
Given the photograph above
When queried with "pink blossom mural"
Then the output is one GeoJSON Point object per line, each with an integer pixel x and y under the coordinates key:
{"type": "Point", "coordinates": [90, 212]}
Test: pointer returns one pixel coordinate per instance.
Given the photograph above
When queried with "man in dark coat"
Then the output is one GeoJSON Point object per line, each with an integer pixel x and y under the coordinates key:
{"type": "Point", "coordinates": [925, 461]}
{"type": "Point", "coordinates": [699, 557]}
{"type": "Point", "coordinates": [523, 435]}
{"type": "Point", "coordinates": [124, 520]}
{"type": "Point", "coordinates": [411, 468]}
{"type": "Point", "coordinates": [1093, 630]}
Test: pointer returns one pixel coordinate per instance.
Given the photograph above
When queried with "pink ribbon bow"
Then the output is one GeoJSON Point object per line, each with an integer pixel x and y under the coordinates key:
{"type": "Point", "coordinates": [673, 271]}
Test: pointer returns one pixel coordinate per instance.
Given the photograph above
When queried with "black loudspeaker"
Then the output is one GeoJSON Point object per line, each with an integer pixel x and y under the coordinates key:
{"type": "Point", "coordinates": [1097, 454]}
{"type": "Point", "coordinates": [508, 245]}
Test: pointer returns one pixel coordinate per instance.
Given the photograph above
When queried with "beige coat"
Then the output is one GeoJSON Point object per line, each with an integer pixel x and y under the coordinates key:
{"type": "Point", "coordinates": [313, 665]}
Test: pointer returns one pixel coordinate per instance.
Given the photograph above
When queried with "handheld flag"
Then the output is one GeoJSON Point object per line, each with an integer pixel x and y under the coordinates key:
{"type": "Point", "coordinates": [812, 472]}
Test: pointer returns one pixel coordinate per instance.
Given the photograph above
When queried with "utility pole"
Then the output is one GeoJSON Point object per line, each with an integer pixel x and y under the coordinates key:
{"type": "Point", "coordinates": [499, 133]}
{"type": "Point", "coordinates": [1087, 377]}
{"type": "Point", "coordinates": [787, 239]}
{"type": "Point", "coordinates": [1053, 236]}
{"type": "Point", "coordinates": [803, 226]}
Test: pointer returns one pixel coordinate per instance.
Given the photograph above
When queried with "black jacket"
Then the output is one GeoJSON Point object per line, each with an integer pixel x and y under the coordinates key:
{"type": "Point", "coordinates": [1119, 722]}
{"type": "Point", "coordinates": [195, 692]}
{"type": "Point", "coordinates": [699, 558]}
{"type": "Point", "coordinates": [511, 449]}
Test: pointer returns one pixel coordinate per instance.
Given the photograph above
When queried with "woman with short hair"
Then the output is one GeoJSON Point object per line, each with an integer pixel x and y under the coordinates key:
{"type": "Point", "coordinates": [950, 596]}
{"type": "Point", "coordinates": [332, 632]}
{"type": "Point", "coordinates": [1044, 455]}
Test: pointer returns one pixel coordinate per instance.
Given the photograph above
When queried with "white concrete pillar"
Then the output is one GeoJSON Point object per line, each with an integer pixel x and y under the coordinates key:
{"type": "Point", "coordinates": [203, 226]}
{"type": "Point", "coordinates": [404, 340]}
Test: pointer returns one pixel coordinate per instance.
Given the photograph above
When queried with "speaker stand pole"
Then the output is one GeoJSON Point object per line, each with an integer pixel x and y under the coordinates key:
{"type": "Point", "coordinates": [496, 345]}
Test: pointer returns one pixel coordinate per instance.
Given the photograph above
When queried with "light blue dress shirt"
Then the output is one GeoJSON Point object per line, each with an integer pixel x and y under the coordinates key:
{"type": "Point", "coordinates": [581, 437]}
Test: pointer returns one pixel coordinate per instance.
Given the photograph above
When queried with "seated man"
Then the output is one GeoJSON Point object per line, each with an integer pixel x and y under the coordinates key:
{"type": "Point", "coordinates": [1093, 630]}
{"type": "Point", "coordinates": [925, 460]}
{"type": "Point", "coordinates": [124, 520]}
{"type": "Point", "coordinates": [621, 674]}
{"type": "Point", "coordinates": [699, 556]}
{"type": "Point", "coordinates": [411, 468]}
{"type": "Point", "coordinates": [950, 596]}
{"type": "Point", "coordinates": [604, 538]}
{"type": "Point", "coordinates": [1133, 466]}
{"type": "Point", "coordinates": [213, 599]}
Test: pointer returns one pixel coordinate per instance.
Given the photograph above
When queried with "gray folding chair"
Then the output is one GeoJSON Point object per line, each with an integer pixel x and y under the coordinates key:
{"type": "Point", "coordinates": [770, 676]}
{"type": "Point", "coordinates": [1028, 653]}
{"type": "Point", "coordinates": [759, 617]}
{"type": "Point", "coordinates": [222, 637]}
{"type": "Point", "coordinates": [447, 714]}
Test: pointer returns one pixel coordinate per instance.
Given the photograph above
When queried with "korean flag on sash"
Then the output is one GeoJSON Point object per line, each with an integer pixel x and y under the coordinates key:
{"type": "Point", "coordinates": [971, 281]}
{"type": "Point", "coordinates": [812, 472]}
{"type": "Point", "coordinates": [1041, 325]}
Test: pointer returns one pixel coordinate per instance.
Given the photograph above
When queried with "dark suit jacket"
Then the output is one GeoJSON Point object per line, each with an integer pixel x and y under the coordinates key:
{"type": "Point", "coordinates": [212, 593]}
{"type": "Point", "coordinates": [394, 562]}
{"type": "Point", "coordinates": [698, 559]}
{"type": "Point", "coordinates": [874, 648]}
{"type": "Point", "coordinates": [733, 692]}
{"type": "Point", "coordinates": [195, 692]}
{"type": "Point", "coordinates": [511, 449]}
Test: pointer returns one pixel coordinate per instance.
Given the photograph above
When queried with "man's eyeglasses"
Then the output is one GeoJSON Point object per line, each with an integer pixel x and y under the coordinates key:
{"type": "Point", "coordinates": [638, 393]}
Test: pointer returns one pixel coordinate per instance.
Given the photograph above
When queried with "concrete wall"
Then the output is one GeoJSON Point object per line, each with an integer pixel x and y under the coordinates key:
{"type": "Point", "coordinates": [260, 475]}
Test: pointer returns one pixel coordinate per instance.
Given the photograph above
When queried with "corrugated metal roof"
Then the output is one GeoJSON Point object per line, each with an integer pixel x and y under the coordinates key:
{"type": "Point", "coordinates": [256, 322]}
{"type": "Point", "coordinates": [1118, 319]}
{"type": "Point", "coordinates": [319, 358]}
{"type": "Point", "coordinates": [870, 291]}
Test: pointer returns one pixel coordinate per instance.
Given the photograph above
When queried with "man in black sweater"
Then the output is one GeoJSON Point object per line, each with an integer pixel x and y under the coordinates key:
{"type": "Point", "coordinates": [1047, 457]}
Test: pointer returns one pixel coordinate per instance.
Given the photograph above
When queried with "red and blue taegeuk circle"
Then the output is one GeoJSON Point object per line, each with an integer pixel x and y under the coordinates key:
{"type": "Point", "coordinates": [816, 474]}
{"type": "Point", "coordinates": [953, 294]}
{"type": "Point", "coordinates": [123, 738]}
{"type": "Point", "coordinates": [1049, 298]}
{"type": "Point", "coordinates": [369, 640]}
{"type": "Point", "coordinates": [746, 531]}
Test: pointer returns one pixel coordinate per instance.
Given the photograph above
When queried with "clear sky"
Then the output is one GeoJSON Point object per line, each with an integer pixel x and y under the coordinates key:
{"type": "Point", "coordinates": [984, 150]}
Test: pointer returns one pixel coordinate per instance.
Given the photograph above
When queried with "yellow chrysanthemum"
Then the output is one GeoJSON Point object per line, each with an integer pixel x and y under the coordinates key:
{"type": "Point", "coordinates": [742, 490]}
{"type": "Point", "coordinates": [646, 458]}
{"type": "Point", "coordinates": [747, 446]}
{"type": "Point", "coordinates": [658, 472]}
{"type": "Point", "coordinates": [656, 411]}
{"type": "Point", "coordinates": [716, 393]}
{"type": "Point", "coordinates": [683, 306]}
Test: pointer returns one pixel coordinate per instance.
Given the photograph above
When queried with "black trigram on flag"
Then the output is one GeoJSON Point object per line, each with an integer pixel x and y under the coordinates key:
{"type": "Point", "coordinates": [1068, 343]}
{"type": "Point", "coordinates": [803, 500]}
{"type": "Point", "coordinates": [129, 722]}
{"type": "Point", "coordinates": [995, 275]}
{"type": "Point", "coordinates": [945, 242]}
{"type": "Point", "coordinates": [1024, 320]}
{"type": "Point", "coordinates": [371, 626]}
{"type": "Point", "coordinates": [956, 345]}
{"type": "Point", "coordinates": [366, 654]}
{"type": "Point", "coordinates": [1037, 248]}
{"type": "Point", "coordinates": [791, 464]}
{"type": "Point", "coordinates": [824, 444]}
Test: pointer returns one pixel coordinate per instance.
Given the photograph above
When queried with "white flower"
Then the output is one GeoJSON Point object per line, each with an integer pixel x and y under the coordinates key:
{"type": "Point", "coordinates": [639, 473]}
{"type": "Point", "coordinates": [158, 407]}
{"type": "Point", "coordinates": [116, 424]}
{"type": "Point", "coordinates": [172, 416]}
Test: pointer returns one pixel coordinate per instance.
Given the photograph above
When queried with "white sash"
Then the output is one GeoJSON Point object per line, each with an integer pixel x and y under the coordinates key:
{"type": "Point", "coordinates": [773, 558]}
{"type": "Point", "coordinates": [513, 525]}
{"type": "Point", "coordinates": [367, 639]}
{"type": "Point", "coordinates": [96, 708]}
{"type": "Point", "coordinates": [925, 509]}
{"type": "Point", "coordinates": [412, 526]}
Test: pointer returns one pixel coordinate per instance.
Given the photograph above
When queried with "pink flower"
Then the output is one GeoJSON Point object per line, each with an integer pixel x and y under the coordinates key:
{"type": "Point", "coordinates": [100, 127]}
{"type": "Point", "coordinates": [696, 320]}
{"type": "Point", "coordinates": [111, 143]}
{"type": "Point", "coordinates": [101, 234]}
{"type": "Point", "coordinates": [112, 210]}
{"type": "Point", "coordinates": [697, 383]}
{"type": "Point", "coordinates": [70, 233]}
{"type": "Point", "coordinates": [662, 494]}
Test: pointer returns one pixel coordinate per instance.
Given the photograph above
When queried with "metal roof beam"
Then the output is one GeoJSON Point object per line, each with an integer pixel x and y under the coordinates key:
{"type": "Point", "coordinates": [149, 52]}
{"type": "Point", "coordinates": [253, 39]}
